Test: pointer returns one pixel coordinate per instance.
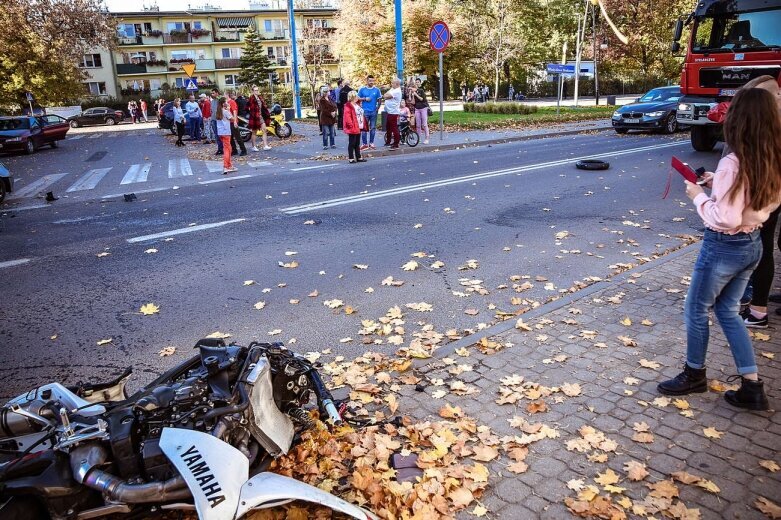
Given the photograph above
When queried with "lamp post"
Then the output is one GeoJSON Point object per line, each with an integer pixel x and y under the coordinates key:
{"type": "Point", "coordinates": [399, 47]}
{"type": "Point", "coordinates": [296, 89]}
{"type": "Point", "coordinates": [594, 49]}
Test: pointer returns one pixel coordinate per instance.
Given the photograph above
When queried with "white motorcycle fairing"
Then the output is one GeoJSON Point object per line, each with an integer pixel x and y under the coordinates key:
{"type": "Point", "coordinates": [217, 473]}
{"type": "Point", "coordinates": [214, 470]}
{"type": "Point", "coordinates": [269, 489]}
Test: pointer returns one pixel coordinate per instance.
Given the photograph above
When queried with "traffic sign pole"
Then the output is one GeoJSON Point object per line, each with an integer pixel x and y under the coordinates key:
{"type": "Point", "coordinates": [439, 38]}
{"type": "Point", "coordinates": [441, 103]}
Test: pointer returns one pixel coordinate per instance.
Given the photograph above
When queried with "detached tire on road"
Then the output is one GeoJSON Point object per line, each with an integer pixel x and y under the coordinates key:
{"type": "Point", "coordinates": [283, 131]}
{"type": "Point", "coordinates": [592, 164]}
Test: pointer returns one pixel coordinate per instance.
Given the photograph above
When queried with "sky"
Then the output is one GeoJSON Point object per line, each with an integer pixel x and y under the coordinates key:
{"type": "Point", "coordinates": [172, 5]}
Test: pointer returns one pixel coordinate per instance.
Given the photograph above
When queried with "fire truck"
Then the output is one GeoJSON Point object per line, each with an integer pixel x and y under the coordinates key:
{"type": "Point", "coordinates": [732, 42]}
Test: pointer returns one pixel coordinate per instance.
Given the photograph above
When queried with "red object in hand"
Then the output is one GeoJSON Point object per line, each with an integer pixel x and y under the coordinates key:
{"type": "Point", "coordinates": [684, 169]}
{"type": "Point", "coordinates": [718, 113]}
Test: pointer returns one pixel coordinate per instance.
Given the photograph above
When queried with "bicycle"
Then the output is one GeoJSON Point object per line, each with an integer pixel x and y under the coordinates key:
{"type": "Point", "coordinates": [409, 136]}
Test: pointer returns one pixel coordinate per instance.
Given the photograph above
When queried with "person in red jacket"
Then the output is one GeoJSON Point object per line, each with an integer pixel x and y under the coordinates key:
{"type": "Point", "coordinates": [354, 121]}
{"type": "Point", "coordinates": [206, 111]}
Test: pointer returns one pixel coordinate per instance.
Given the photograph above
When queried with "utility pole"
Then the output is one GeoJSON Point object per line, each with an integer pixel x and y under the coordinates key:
{"type": "Point", "coordinates": [399, 47]}
{"type": "Point", "coordinates": [594, 5]}
{"type": "Point", "coordinates": [296, 88]}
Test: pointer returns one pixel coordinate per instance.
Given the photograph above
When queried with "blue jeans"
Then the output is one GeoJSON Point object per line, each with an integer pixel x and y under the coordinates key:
{"type": "Point", "coordinates": [195, 128]}
{"type": "Point", "coordinates": [720, 275]}
{"type": "Point", "coordinates": [329, 134]}
{"type": "Point", "coordinates": [372, 120]}
{"type": "Point", "coordinates": [214, 131]}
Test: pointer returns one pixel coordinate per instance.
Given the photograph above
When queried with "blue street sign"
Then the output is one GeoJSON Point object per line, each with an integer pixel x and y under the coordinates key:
{"type": "Point", "coordinates": [190, 84]}
{"type": "Point", "coordinates": [439, 36]}
{"type": "Point", "coordinates": [558, 68]}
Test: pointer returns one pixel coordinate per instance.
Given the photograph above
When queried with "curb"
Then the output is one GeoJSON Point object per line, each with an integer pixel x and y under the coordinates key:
{"type": "Point", "coordinates": [423, 365]}
{"type": "Point", "coordinates": [474, 144]}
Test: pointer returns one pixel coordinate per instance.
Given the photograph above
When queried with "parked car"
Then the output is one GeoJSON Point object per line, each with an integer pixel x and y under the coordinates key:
{"type": "Point", "coordinates": [97, 116]}
{"type": "Point", "coordinates": [27, 134]}
{"type": "Point", "coordinates": [165, 119]}
{"type": "Point", "coordinates": [6, 181]}
{"type": "Point", "coordinates": [655, 110]}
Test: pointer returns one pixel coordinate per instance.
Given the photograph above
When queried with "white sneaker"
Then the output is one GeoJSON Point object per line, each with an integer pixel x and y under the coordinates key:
{"type": "Point", "coordinates": [255, 149]}
{"type": "Point", "coordinates": [267, 148]}
{"type": "Point", "coordinates": [425, 141]}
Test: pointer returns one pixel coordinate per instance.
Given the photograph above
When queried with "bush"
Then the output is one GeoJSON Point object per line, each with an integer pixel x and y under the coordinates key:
{"type": "Point", "coordinates": [504, 107]}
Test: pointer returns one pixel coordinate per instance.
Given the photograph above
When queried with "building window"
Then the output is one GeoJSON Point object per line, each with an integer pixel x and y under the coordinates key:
{"type": "Point", "coordinates": [126, 30]}
{"type": "Point", "coordinates": [232, 52]}
{"type": "Point", "coordinates": [91, 61]}
{"type": "Point", "coordinates": [175, 26]}
{"type": "Point", "coordinates": [267, 25]}
{"type": "Point", "coordinates": [96, 88]}
{"type": "Point", "coordinates": [270, 51]}
{"type": "Point", "coordinates": [231, 80]}
{"type": "Point", "coordinates": [197, 25]}
{"type": "Point", "coordinates": [180, 82]}
{"type": "Point", "coordinates": [147, 27]}
{"type": "Point", "coordinates": [154, 84]}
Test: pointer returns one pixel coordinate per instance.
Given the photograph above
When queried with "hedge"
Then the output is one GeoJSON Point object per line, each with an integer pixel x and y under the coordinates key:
{"type": "Point", "coordinates": [500, 108]}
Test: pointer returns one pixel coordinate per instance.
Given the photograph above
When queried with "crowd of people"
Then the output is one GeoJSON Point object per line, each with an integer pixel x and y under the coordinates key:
{"type": "Point", "coordinates": [481, 93]}
{"type": "Point", "coordinates": [137, 111]}
{"type": "Point", "coordinates": [214, 119]}
{"type": "Point", "coordinates": [355, 112]}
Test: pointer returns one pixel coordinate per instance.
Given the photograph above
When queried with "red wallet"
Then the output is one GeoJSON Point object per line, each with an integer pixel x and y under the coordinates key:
{"type": "Point", "coordinates": [684, 169]}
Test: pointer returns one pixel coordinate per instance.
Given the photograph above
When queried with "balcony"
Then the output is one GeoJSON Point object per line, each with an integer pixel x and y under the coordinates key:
{"type": "Point", "coordinates": [130, 68]}
{"type": "Point", "coordinates": [150, 39]}
{"type": "Point", "coordinates": [228, 36]}
{"type": "Point", "coordinates": [204, 64]}
{"type": "Point", "coordinates": [284, 34]}
{"type": "Point", "coordinates": [136, 40]}
{"type": "Point", "coordinates": [228, 63]}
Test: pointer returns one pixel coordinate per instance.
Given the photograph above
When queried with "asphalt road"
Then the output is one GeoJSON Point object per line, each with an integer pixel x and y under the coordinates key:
{"type": "Point", "coordinates": [347, 228]}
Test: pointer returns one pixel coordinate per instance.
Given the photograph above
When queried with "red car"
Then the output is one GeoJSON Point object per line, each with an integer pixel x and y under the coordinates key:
{"type": "Point", "coordinates": [27, 134]}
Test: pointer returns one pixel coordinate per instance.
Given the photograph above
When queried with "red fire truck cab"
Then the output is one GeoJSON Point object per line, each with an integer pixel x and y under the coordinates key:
{"type": "Point", "coordinates": [732, 42]}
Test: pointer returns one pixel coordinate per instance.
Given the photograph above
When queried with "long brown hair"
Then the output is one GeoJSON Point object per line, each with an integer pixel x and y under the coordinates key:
{"type": "Point", "coordinates": [220, 107]}
{"type": "Point", "coordinates": [753, 130]}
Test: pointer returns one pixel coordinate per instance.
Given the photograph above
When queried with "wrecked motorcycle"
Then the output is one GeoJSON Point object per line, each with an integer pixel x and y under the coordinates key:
{"type": "Point", "coordinates": [200, 437]}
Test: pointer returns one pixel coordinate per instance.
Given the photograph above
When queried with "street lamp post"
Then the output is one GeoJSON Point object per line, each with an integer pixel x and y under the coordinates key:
{"type": "Point", "coordinates": [399, 48]}
{"type": "Point", "coordinates": [296, 88]}
{"type": "Point", "coordinates": [594, 49]}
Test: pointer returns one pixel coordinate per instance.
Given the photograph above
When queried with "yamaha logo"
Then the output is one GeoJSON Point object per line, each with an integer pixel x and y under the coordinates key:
{"type": "Point", "coordinates": [203, 474]}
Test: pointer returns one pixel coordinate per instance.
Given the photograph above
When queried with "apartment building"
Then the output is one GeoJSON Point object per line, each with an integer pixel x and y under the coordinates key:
{"type": "Point", "coordinates": [153, 45]}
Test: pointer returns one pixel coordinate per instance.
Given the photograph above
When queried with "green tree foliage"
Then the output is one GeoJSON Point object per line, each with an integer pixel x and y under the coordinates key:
{"type": "Point", "coordinates": [42, 43]}
{"type": "Point", "coordinates": [255, 64]}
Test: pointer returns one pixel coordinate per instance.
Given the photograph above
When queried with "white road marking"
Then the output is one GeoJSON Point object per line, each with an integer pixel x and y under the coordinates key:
{"type": "Point", "coordinates": [212, 181]}
{"type": "Point", "coordinates": [136, 173]}
{"type": "Point", "coordinates": [93, 136]}
{"type": "Point", "coordinates": [172, 168]}
{"type": "Point", "coordinates": [313, 167]}
{"type": "Point", "coordinates": [184, 167]}
{"type": "Point", "coordinates": [214, 166]}
{"type": "Point", "coordinates": [76, 137]}
{"type": "Point", "coordinates": [12, 263]}
{"type": "Point", "coordinates": [89, 180]}
{"type": "Point", "coordinates": [35, 187]}
{"type": "Point", "coordinates": [258, 164]}
{"type": "Point", "coordinates": [182, 231]}
{"type": "Point", "coordinates": [25, 208]}
{"type": "Point", "coordinates": [294, 210]}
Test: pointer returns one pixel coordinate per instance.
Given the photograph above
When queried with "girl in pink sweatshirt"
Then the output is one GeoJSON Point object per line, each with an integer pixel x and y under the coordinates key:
{"type": "Point", "coordinates": [746, 188]}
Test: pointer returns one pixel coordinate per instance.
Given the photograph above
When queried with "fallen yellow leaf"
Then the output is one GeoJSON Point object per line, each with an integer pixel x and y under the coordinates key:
{"type": "Point", "coordinates": [149, 309]}
{"type": "Point", "coordinates": [105, 341]}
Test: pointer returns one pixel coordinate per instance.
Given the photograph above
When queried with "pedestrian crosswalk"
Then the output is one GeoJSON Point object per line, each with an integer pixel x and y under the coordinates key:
{"type": "Point", "coordinates": [139, 178]}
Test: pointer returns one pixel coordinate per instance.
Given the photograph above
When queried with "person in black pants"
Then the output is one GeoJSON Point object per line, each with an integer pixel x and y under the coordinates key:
{"type": "Point", "coordinates": [235, 136]}
{"type": "Point", "coordinates": [343, 93]}
{"type": "Point", "coordinates": [755, 316]}
{"type": "Point", "coordinates": [179, 121]}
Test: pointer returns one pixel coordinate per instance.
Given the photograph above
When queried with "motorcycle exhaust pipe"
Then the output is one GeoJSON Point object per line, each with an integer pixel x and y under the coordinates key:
{"type": "Point", "coordinates": [84, 462]}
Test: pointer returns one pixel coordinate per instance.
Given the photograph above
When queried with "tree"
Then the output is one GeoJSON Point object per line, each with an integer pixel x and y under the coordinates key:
{"type": "Point", "coordinates": [254, 62]}
{"type": "Point", "coordinates": [315, 53]}
{"type": "Point", "coordinates": [42, 43]}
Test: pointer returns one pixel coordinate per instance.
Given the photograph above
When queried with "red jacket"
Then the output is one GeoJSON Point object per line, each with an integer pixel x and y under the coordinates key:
{"type": "Point", "coordinates": [206, 109]}
{"type": "Point", "coordinates": [350, 121]}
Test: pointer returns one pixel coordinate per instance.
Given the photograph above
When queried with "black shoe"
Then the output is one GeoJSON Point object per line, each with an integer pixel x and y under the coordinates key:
{"type": "Point", "coordinates": [242, 154]}
{"type": "Point", "coordinates": [752, 321]}
{"type": "Point", "coordinates": [750, 395]}
{"type": "Point", "coordinates": [775, 298]}
{"type": "Point", "coordinates": [361, 160]}
{"type": "Point", "coordinates": [234, 153]}
{"type": "Point", "coordinates": [218, 153]}
{"type": "Point", "coordinates": [689, 381]}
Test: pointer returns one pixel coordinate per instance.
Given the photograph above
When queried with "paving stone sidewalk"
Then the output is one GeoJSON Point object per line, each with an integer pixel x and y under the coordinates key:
{"type": "Point", "coordinates": [560, 349]}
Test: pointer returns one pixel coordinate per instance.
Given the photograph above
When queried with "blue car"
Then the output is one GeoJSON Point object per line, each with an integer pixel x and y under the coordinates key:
{"type": "Point", "coordinates": [654, 111]}
{"type": "Point", "coordinates": [6, 182]}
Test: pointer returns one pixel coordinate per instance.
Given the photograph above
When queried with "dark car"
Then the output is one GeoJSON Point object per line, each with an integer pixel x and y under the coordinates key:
{"type": "Point", "coordinates": [27, 134]}
{"type": "Point", "coordinates": [97, 116]}
{"type": "Point", "coordinates": [655, 111]}
{"type": "Point", "coordinates": [6, 181]}
{"type": "Point", "coordinates": [165, 119]}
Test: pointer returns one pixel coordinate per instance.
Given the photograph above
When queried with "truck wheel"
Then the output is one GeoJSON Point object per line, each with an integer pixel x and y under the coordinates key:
{"type": "Point", "coordinates": [2, 190]}
{"type": "Point", "coordinates": [703, 138]}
